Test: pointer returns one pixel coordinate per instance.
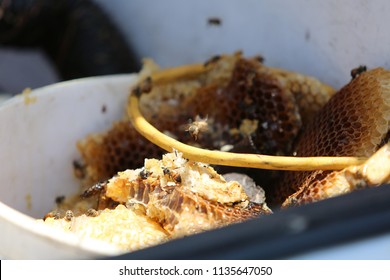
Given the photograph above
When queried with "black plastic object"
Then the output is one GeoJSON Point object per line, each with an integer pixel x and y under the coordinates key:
{"type": "Point", "coordinates": [361, 214]}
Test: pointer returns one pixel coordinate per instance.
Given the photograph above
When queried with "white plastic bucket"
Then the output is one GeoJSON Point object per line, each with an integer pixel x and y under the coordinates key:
{"type": "Point", "coordinates": [38, 135]}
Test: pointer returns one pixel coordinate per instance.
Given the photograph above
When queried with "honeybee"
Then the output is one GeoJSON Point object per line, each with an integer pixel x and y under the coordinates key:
{"type": "Point", "coordinates": [212, 60]}
{"type": "Point", "coordinates": [198, 126]}
{"type": "Point", "coordinates": [144, 174]}
{"type": "Point", "coordinates": [357, 71]}
{"type": "Point", "coordinates": [173, 175]}
{"type": "Point", "coordinates": [95, 189]}
{"type": "Point", "coordinates": [92, 212]}
{"type": "Point", "coordinates": [54, 214]}
{"type": "Point", "coordinates": [68, 215]}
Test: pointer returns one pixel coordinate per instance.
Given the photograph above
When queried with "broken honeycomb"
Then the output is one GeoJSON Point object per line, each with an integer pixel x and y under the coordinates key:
{"type": "Point", "coordinates": [165, 199]}
{"type": "Point", "coordinates": [231, 94]}
{"type": "Point", "coordinates": [354, 122]}
{"type": "Point", "coordinates": [249, 108]}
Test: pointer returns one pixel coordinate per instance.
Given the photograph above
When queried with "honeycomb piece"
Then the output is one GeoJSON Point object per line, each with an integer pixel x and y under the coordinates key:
{"type": "Point", "coordinates": [255, 95]}
{"type": "Point", "coordinates": [353, 123]}
{"type": "Point", "coordinates": [165, 199]}
{"type": "Point", "coordinates": [309, 93]}
{"type": "Point", "coordinates": [184, 197]}
{"type": "Point", "coordinates": [321, 185]}
{"type": "Point", "coordinates": [118, 149]}
{"type": "Point", "coordinates": [122, 228]}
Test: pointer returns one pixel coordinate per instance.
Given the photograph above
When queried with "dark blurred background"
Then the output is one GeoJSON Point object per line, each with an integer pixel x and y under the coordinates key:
{"type": "Point", "coordinates": [45, 41]}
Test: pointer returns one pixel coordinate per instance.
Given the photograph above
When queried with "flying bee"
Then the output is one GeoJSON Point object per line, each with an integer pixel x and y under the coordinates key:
{"type": "Point", "coordinates": [215, 21]}
{"type": "Point", "coordinates": [198, 126]}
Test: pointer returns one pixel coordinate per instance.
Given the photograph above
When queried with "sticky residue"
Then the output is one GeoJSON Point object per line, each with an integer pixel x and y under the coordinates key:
{"type": "Point", "coordinates": [28, 99]}
{"type": "Point", "coordinates": [28, 201]}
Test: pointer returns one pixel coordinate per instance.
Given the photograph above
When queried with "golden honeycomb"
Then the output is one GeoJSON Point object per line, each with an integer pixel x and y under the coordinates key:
{"type": "Point", "coordinates": [244, 107]}
{"type": "Point", "coordinates": [249, 108]}
{"type": "Point", "coordinates": [354, 122]}
{"type": "Point", "coordinates": [118, 149]}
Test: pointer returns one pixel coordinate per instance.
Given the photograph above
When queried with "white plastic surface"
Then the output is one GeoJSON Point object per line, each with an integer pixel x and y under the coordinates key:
{"type": "Point", "coordinates": [325, 39]}
{"type": "Point", "coordinates": [37, 149]}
